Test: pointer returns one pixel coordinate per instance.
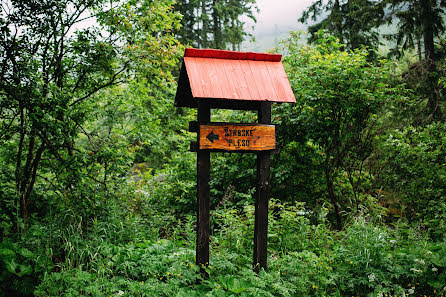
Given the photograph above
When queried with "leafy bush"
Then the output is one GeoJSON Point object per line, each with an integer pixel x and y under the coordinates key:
{"type": "Point", "coordinates": [365, 259]}
{"type": "Point", "coordinates": [417, 171]}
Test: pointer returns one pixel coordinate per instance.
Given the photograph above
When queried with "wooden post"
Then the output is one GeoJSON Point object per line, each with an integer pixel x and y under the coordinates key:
{"type": "Point", "coordinates": [203, 177]}
{"type": "Point", "coordinates": [262, 196]}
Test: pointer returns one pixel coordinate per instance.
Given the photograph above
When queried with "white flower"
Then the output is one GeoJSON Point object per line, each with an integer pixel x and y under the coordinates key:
{"type": "Point", "coordinates": [372, 277]}
{"type": "Point", "coordinates": [434, 269]}
{"type": "Point", "coordinates": [421, 261]}
{"type": "Point", "coordinates": [411, 291]}
{"type": "Point", "coordinates": [380, 294]}
{"type": "Point", "coordinates": [120, 293]}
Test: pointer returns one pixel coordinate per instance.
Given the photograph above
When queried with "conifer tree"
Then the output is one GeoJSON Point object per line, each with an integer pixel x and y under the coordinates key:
{"type": "Point", "coordinates": [354, 22]}
{"type": "Point", "coordinates": [215, 23]}
{"type": "Point", "coordinates": [419, 24]}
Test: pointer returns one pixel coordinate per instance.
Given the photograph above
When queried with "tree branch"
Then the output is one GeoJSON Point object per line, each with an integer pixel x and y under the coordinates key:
{"type": "Point", "coordinates": [110, 83]}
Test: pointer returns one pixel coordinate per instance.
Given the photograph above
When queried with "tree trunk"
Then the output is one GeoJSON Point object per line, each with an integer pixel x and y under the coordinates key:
{"type": "Point", "coordinates": [19, 151]}
{"type": "Point", "coordinates": [337, 20]}
{"type": "Point", "coordinates": [419, 48]}
{"type": "Point", "coordinates": [430, 57]}
{"type": "Point", "coordinates": [204, 26]}
{"type": "Point", "coordinates": [216, 23]}
{"type": "Point", "coordinates": [33, 173]}
{"type": "Point", "coordinates": [333, 199]}
{"type": "Point", "coordinates": [428, 29]}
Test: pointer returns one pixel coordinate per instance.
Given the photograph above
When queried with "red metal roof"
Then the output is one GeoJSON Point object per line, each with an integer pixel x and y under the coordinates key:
{"type": "Point", "coordinates": [219, 74]}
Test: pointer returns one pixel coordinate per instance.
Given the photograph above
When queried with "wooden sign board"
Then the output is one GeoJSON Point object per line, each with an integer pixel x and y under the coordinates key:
{"type": "Point", "coordinates": [237, 137]}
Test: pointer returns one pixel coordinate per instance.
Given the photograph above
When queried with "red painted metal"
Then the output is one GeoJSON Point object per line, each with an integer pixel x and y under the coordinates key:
{"type": "Point", "coordinates": [219, 74]}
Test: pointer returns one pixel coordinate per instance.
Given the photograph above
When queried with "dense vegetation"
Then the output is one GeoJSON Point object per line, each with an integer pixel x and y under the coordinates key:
{"type": "Point", "coordinates": [97, 183]}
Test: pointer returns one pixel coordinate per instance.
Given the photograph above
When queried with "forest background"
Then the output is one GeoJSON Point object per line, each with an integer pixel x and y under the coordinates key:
{"type": "Point", "coordinates": [97, 184]}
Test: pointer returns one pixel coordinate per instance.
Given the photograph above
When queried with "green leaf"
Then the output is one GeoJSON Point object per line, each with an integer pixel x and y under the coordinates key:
{"type": "Point", "coordinates": [218, 293]}
{"type": "Point", "coordinates": [6, 254]}
{"type": "Point", "coordinates": [25, 270]}
{"type": "Point", "coordinates": [11, 266]}
{"type": "Point", "coordinates": [26, 253]}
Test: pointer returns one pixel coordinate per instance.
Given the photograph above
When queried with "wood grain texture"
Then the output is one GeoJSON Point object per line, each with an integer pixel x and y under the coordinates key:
{"type": "Point", "coordinates": [193, 78]}
{"type": "Point", "coordinates": [237, 137]}
{"type": "Point", "coordinates": [233, 79]}
{"type": "Point", "coordinates": [279, 81]}
{"type": "Point", "coordinates": [223, 54]}
{"type": "Point", "coordinates": [203, 188]}
{"type": "Point", "coordinates": [261, 198]}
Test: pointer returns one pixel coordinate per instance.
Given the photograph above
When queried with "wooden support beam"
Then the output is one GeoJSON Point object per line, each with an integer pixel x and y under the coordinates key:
{"type": "Point", "coordinates": [193, 146]}
{"type": "Point", "coordinates": [193, 126]}
{"type": "Point", "coordinates": [203, 178]}
{"type": "Point", "coordinates": [262, 197]}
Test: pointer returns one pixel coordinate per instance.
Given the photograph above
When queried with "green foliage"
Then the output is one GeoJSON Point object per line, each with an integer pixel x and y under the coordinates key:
{"type": "Point", "coordinates": [417, 171]}
{"type": "Point", "coordinates": [412, 22]}
{"type": "Point", "coordinates": [16, 264]}
{"type": "Point", "coordinates": [98, 187]}
{"type": "Point", "coordinates": [354, 22]}
{"type": "Point", "coordinates": [46, 140]}
{"type": "Point", "coordinates": [215, 23]}
{"type": "Point", "coordinates": [342, 101]}
{"type": "Point", "coordinates": [22, 264]}
{"type": "Point", "coordinates": [366, 259]}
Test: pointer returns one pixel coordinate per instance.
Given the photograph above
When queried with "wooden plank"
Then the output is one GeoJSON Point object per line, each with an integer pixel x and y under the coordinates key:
{"type": "Point", "coordinates": [249, 78]}
{"type": "Point", "coordinates": [261, 197]}
{"type": "Point", "coordinates": [233, 55]}
{"type": "Point", "coordinates": [210, 80]}
{"type": "Point", "coordinates": [225, 84]}
{"type": "Point", "coordinates": [239, 86]}
{"type": "Point", "coordinates": [203, 189]}
{"type": "Point", "coordinates": [262, 80]}
{"type": "Point", "coordinates": [235, 80]}
{"type": "Point", "coordinates": [280, 82]}
{"type": "Point", "coordinates": [193, 147]}
{"type": "Point", "coordinates": [194, 77]}
{"type": "Point", "coordinates": [193, 126]}
{"type": "Point", "coordinates": [237, 137]}
{"type": "Point", "coordinates": [233, 104]}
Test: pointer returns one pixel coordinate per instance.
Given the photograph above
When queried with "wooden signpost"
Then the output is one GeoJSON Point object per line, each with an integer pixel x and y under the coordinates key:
{"type": "Point", "coordinates": [233, 137]}
{"type": "Point", "coordinates": [232, 80]}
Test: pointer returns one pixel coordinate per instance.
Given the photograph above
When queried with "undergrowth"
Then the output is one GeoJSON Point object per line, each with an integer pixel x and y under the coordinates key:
{"type": "Point", "coordinates": [145, 256]}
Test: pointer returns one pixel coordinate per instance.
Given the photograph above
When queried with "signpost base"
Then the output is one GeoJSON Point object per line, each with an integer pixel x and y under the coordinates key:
{"type": "Point", "coordinates": [203, 177]}
{"type": "Point", "coordinates": [262, 197]}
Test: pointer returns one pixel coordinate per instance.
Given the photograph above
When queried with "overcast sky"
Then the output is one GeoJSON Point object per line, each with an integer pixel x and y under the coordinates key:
{"type": "Point", "coordinates": [280, 12]}
{"type": "Point", "coordinates": [283, 13]}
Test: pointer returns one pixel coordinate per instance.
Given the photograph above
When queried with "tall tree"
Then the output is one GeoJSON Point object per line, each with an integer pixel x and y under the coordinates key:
{"type": "Point", "coordinates": [52, 66]}
{"type": "Point", "coordinates": [419, 23]}
{"type": "Point", "coordinates": [354, 22]}
{"type": "Point", "coordinates": [215, 23]}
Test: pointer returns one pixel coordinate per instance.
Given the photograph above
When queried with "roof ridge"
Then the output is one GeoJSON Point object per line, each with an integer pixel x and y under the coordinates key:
{"type": "Point", "coordinates": [231, 55]}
